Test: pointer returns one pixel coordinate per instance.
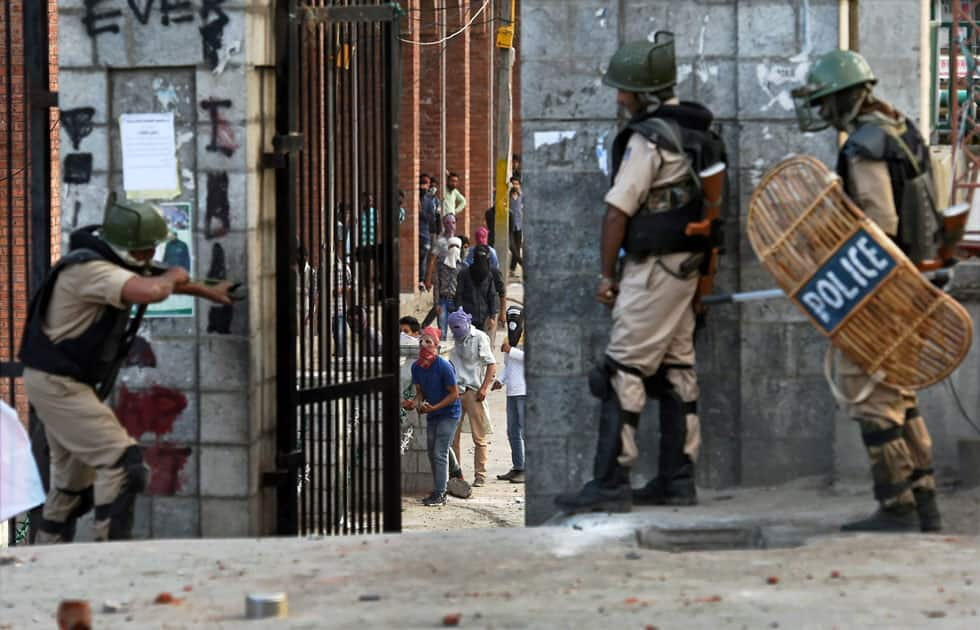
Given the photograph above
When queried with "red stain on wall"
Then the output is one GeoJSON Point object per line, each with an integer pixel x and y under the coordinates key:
{"type": "Point", "coordinates": [167, 461]}
{"type": "Point", "coordinates": [152, 411]}
{"type": "Point", "coordinates": [155, 411]}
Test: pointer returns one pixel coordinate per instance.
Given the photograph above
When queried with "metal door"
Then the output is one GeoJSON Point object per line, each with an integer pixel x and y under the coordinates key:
{"type": "Point", "coordinates": [336, 255]}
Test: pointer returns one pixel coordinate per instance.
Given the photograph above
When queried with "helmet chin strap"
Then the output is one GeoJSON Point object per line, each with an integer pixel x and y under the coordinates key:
{"type": "Point", "coordinates": [128, 258]}
{"type": "Point", "coordinates": [845, 121]}
{"type": "Point", "coordinates": [650, 101]}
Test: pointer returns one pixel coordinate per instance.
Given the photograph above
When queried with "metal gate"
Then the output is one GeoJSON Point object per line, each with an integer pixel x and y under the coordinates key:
{"type": "Point", "coordinates": [336, 255]}
{"type": "Point", "coordinates": [26, 125]}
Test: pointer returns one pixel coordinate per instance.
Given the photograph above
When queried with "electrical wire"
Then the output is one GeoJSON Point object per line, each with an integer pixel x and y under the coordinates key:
{"type": "Point", "coordinates": [448, 37]}
{"type": "Point", "coordinates": [14, 174]}
{"type": "Point", "coordinates": [959, 403]}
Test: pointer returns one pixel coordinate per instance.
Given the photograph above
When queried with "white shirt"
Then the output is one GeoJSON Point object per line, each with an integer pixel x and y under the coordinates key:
{"type": "Point", "coordinates": [513, 376]}
{"type": "Point", "coordinates": [470, 357]}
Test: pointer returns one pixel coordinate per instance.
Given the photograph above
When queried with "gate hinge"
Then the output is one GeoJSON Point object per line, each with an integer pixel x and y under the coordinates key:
{"type": "Point", "coordinates": [43, 99]}
{"type": "Point", "coordinates": [286, 466]}
{"type": "Point", "coordinates": [282, 145]}
{"type": "Point", "coordinates": [291, 142]}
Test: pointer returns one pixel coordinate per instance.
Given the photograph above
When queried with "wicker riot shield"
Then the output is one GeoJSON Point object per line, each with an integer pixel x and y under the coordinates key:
{"type": "Point", "coordinates": [851, 280]}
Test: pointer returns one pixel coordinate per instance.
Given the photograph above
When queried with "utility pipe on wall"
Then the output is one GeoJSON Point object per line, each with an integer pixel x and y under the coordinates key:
{"type": "Point", "coordinates": [843, 42]}
{"type": "Point", "coordinates": [925, 69]}
{"type": "Point", "coordinates": [843, 24]}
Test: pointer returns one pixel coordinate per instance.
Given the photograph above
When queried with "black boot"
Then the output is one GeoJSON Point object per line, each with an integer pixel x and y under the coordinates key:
{"type": "Point", "coordinates": [674, 483]}
{"type": "Point", "coordinates": [609, 490]}
{"type": "Point", "coordinates": [895, 518]}
{"type": "Point", "coordinates": [925, 505]}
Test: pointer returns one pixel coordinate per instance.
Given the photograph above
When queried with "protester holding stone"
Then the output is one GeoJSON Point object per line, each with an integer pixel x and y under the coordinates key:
{"type": "Point", "coordinates": [437, 396]}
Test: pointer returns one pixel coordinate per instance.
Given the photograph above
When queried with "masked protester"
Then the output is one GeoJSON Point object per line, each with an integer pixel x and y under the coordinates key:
{"type": "Point", "coordinates": [482, 237]}
{"type": "Point", "coordinates": [886, 170]}
{"type": "Point", "coordinates": [476, 291]}
{"type": "Point", "coordinates": [513, 379]}
{"type": "Point", "coordinates": [475, 366]}
{"type": "Point", "coordinates": [74, 342]}
{"type": "Point", "coordinates": [436, 396]}
{"type": "Point", "coordinates": [656, 192]}
{"type": "Point", "coordinates": [440, 253]}
{"type": "Point", "coordinates": [447, 279]}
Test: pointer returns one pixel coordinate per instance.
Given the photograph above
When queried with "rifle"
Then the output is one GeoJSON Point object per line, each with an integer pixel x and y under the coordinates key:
{"type": "Point", "coordinates": [220, 291]}
{"type": "Point", "coordinates": [712, 186]}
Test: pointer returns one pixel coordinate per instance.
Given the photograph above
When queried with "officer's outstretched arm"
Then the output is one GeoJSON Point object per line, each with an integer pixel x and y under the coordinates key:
{"type": "Point", "coordinates": [152, 289]}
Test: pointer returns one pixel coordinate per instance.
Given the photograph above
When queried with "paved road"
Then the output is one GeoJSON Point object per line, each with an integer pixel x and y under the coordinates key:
{"type": "Point", "coordinates": [592, 577]}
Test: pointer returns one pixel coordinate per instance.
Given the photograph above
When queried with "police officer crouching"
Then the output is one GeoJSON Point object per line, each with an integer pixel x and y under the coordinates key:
{"type": "Point", "coordinates": [886, 171]}
{"type": "Point", "coordinates": [73, 344]}
{"type": "Point", "coordinates": [656, 193]}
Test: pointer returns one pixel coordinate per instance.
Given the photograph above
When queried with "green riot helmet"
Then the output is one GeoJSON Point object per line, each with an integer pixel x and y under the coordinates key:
{"type": "Point", "coordinates": [835, 88]}
{"type": "Point", "coordinates": [643, 66]}
{"type": "Point", "coordinates": [133, 225]}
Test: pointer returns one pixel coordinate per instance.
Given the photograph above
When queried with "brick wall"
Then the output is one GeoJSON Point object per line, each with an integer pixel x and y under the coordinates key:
{"type": "Point", "coordinates": [15, 176]}
{"type": "Point", "coordinates": [409, 147]}
{"type": "Point", "coordinates": [470, 69]}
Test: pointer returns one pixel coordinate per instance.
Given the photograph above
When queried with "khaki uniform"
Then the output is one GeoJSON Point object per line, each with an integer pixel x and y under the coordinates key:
{"type": "Point", "coordinates": [85, 438]}
{"type": "Point", "coordinates": [653, 318]}
{"type": "Point", "coordinates": [894, 432]}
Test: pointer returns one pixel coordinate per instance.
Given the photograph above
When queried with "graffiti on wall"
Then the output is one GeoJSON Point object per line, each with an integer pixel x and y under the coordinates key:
{"type": "Point", "coordinates": [217, 217]}
{"type": "Point", "coordinates": [219, 317]}
{"type": "Point", "coordinates": [222, 137]}
{"type": "Point", "coordinates": [104, 17]}
{"type": "Point", "coordinates": [78, 124]}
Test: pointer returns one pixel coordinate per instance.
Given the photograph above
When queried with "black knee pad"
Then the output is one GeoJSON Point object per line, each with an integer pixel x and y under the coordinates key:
{"type": "Point", "coordinates": [599, 383]}
{"type": "Point", "coordinates": [137, 472]}
{"type": "Point", "coordinates": [86, 501]}
{"type": "Point", "coordinates": [656, 385]}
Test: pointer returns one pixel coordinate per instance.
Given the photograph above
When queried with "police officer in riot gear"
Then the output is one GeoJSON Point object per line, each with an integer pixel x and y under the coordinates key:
{"type": "Point", "coordinates": [72, 345]}
{"type": "Point", "coordinates": [885, 169]}
{"type": "Point", "coordinates": [655, 194]}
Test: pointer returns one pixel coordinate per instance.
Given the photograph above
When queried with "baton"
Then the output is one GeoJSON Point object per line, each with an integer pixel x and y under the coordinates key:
{"type": "Point", "coordinates": [938, 278]}
{"type": "Point", "coordinates": [746, 296]}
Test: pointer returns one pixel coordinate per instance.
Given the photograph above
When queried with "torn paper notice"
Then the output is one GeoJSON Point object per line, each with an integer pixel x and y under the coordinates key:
{"type": "Point", "coordinates": [542, 138]}
{"type": "Point", "coordinates": [149, 156]}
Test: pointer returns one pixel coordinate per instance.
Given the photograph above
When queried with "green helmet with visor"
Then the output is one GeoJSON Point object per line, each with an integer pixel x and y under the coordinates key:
{"type": "Point", "coordinates": [833, 75]}
{"type": "Point", "coordinates": [133, 225]}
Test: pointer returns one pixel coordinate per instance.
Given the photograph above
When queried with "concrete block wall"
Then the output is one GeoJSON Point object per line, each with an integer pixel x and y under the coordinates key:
{"type": "Point", "coordinates": [203, 411]}
{"type": "Point", "coordinates": [766, 414]}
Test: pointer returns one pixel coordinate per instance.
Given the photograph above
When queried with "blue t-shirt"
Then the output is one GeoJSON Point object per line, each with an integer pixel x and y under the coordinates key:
{"type": "Point", "coordinates": [435, 382]}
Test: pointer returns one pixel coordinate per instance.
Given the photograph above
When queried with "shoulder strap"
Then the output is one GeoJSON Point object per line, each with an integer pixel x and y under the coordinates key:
{"type": "Point", "coordinates": [665, 135]}
{"type": "Point", "coordinates": [869, 141]}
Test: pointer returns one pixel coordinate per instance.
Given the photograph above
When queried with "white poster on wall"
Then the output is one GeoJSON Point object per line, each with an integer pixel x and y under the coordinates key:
{"type": "Point", "coordinates": [149, 156]}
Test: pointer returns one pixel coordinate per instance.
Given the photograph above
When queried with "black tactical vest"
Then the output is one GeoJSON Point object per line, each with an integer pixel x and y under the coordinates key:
{"type": "Point", "coordinates": [910, 172]}
{"type": "Point", "coordinates": [90, 357]}
{"type": "Point", "coordinates": [682, 128]}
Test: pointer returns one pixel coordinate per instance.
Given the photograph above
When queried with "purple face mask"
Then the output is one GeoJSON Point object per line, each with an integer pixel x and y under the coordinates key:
{"type": "Point", "coordinates": [449, 225]}
{"type": "Point", "coordinates": [459, 324]}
